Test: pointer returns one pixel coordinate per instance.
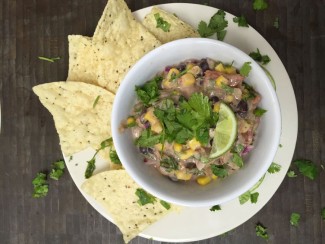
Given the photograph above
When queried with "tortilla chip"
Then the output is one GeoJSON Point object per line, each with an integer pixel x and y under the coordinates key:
{"type": "Point", "coordinates": [178, 28]}
{"type": "Point", "coordinates": [118, 43]}
{"type": "Point", "coordinates": [115, 191]}
{"type": "Point", "coordinates": [79, 121]}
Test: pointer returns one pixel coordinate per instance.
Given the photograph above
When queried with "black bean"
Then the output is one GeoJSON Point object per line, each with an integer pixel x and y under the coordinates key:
{"type": "Point", "coordinates": [181, 67]}
{"type": "Point", "coordinates": [190, 166]}
{"type": "Point", "coordinates": [204, 65]}
{"type": "Point", "coordinates": [242, 108]}
{"type": "Point", "coordinates": [214, 99]}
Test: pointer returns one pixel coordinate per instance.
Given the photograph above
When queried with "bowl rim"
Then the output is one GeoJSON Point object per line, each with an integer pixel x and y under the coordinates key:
{"type": "Point", "coordinates": [116, 124]}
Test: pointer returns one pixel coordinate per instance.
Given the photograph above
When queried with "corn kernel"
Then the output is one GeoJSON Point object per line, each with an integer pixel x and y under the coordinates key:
{"type": "Point", "coordinates": [150, 117]}
{"type": "Point", "coordinates": [156, 127]}
{"type": "Point", "coordinates": [229, 98]}
{"type": "Point", "coordinates": [130, 121]}
{"type": "Point", "coordinates": [221, 80]}
{"type": "Point", "coordinates": [183, 175]}
{"type": "Point", "coordinates": [216, 107]}
{"type": "Point", "coordinates": [220, 68]}
{"type": "Point", "coordinates": [195, 70]}
{"type": "Point", "coordinates": [166, 84]}
{"type": "Point", "coordinates": [159, 146]}
{"type": "Point", "coordinates": [172, 72]}
{"type": "Point", "coordinates": [188, 79]}
{"type": "Point", "coordinates": [203, 180]}
{"type": "Point", "coordinates": [178, 147]}
{"type": "Point", "coordinates": [189, 66]}
{"type": "Point", "coordinates": [214, 177]}
{"type": "Point", "coordinates": [230, 70]}
{"type": "Point", "coordinates": [194, 144]}
{"type": "Point", "coordinates": [187, 154]}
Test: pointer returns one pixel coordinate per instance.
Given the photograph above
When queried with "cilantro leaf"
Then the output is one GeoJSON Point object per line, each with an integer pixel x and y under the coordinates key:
{"type": "Point", "coordinates": [243, 198]}
{"type": "Point", "coordinates": [90, 168]}
{"type": "Point", "coordinates": [260, 4]}
{"type": "Point", "coordinates": [200, 104]}
{"type": "Point", "coordinates": [260, 230]}
{"type": "Point", "coordinates": [274, 168]}
{"type": "Point", "coordinates": [202, 134]}
{"type": "Point", "coordinates": [276, 23]}
{"type": "Point", "coordinates": [40, 184]}
{"type": "Point", "coordinates": [106, 143]}
{"type": "Point", "coordinates": [169, 164]}
{"type": "Point", "coordinates": [257, 56]}
{"type": "Point", "coordinates": [204, 30]}
{"type": "Point", "coordinates": [219, 170]}
{"type": "Point", "coordinates": [258, 112]}
{"type": "Point", "coordinates": [215, 208]}
{"type": "Point", "coordinates": [307, 168]}
{"type": "Point", "coordinates": [148, 139]}
{"type": "Point", "coordinates": [291, 174]}
{"type": "Point", "coordinates": [241, 21]}
{"type": "Point", "coordinates": [323, 213]}
{"type": "Point", "coordinates": [165, 204]}
{"type": "Point", "coordinates": [238, 160]}
{"type": "Point", "coordinates": [294, 219]}
{"type": "Point", "coordinates": [161, 23]}
{"type": "Point", "coordinates": [144, 197]}
{"type": "Point", "coordinates": [254, 197]}
{"type": "Point", "coordinates": [238, 148]}
{"type": "Point", "coordinates": [183, 135]}
{"type": "Point", "coordinates": [114, 157]}
{"type": "Point", "coordinates": [149, 92]}
{"type": "Point", "coordinates": [221, 35]}
{"type": "Point", "coordinates": [245, 69]}
{"type": "Point", "coordinates": [96, 101]}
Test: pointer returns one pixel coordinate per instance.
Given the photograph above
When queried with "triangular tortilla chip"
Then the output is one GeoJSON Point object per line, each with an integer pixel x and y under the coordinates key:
{"type": "Point", "coordinates": [115, 191]}
{"type": "Point", "coordinates": [79, 120]}
{"type": "Point", "coordinates": [178, 28]}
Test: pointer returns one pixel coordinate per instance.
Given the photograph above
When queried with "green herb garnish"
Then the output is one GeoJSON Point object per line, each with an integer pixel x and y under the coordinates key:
{"type": "Point", "coordinates": [254, 197]}
{"type": "Point", "coordinates": [238, 160]}
{"type": "Point", "coordinates": [274, 168]}
{"type": "Point", "coordinates": [114, 157]}
{"type": "Point", "coordinates": [250, 194]}
{"type": "Point", "coordinates": [169, 164]}
{"type": "Point", "coordinates": [291, 174]}
{"type": "Point", "coordinates": [161, 23]}
{"type": "Point", "coordinates": [144, 197]}
{"type": "Point", "coordinates": [217, 24]}
{"type": "Point", "coordinates": [219, 170]}
{"type": "Point", "coordinates": [307, 168]}
{"type": "Point", "coordinates": [96, 101]}
{"type": "Point", "coordinates": [52, 60]}
{"type": "Point", "coordinates": [257, 56]}
{"type": "Point", "coordinates": [294, 219]}
{"type": "Point", "coordinates": [41, 186]}
{"type": "Point", "coordinates": [258, 112]}
{"type": "Point", "coordinates": [148, 139]}
{"type": "Point", "coordinates": [260, 230]}
{"type": "Point", "coordinates": [149, 92]}
{"type": "Point", "coordinates": [215, 208]}
{"type": "Point", "coordinates": [57, 170]}
{"type": "Point", "coordinates": [165, 204]}
{"type": "Point", "coordinates": [260, 4]}
{"type": "Point", "coordinates": [245, 69]}
{"type": "Point", "coordinates": [241, 21]}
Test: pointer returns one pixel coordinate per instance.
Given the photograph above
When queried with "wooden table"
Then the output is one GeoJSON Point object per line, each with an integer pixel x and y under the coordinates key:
{"type": "Point", "coordinates": [29, 143]}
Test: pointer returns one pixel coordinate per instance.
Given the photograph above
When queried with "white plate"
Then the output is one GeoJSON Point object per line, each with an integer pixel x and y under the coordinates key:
{"type": "Point", "coordinates": [187, 225]}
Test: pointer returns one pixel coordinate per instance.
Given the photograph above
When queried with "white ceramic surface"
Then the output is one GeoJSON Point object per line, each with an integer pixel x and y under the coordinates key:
{"type": "Point", "coordinates": [192, 194]}
{"type": "Point", "coordinates": [187, 225]}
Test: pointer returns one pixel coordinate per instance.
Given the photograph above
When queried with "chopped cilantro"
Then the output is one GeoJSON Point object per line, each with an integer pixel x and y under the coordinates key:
{"type": "Point", "coordinates": [307, 168]}
{"type": "Point", "coordinates": [148, 139]}
{"type": "Point", "coordinates": [144, 197]}
{"type": "Point", "coordinates": [40, 184]}
{"type": "Point", "coordinates": [257, 56]}
{"type": "Point", "coordinates": [323, 213]}
{"type": "Point", "coordinates": [274, 168]}
{"type": "Point", "coordinates": [291, 174]}
{"type": "Point", "coordinates": [258, 112]}
{"type": "Point", "coordinates": [165, 204]}
{"type": "Point", "coordinates": [238, 160]}
{"type": "Point", "coordinates": [161, 23]}
{"type": "Point", "coordinates": [114, 157]}
{"type": "Point", "coordinates": [254, 197]}
{"type": "Point", "coordinates": [215, 208]}
{"type": "Point", "coordinates": [169, 164]}
{"type": "Point", "coordinates": [227, 89]}
{"type": "Point", "coordinates": [52, 60]}
{"type": "Point", "coordinates": [217, 24]}
{"type": "Point", "coordinates": [219, 170]}
{"type": "Point", "coordinates": [261, 231]}
{"type": "Point", "coordinates": [238, 148]}
{"type": "Point", "coordinates": [276, 23]}
{"type": "Point", "coordinates": [260, 4]}
{"type": "Point", "coordinates": [57, 170]}
{"type": "Point", "coordinates": [245, 69]}
{"type": "Point", "coordinates": [241, 21]}
{"type": "Point", "coordinates": [294, 219]}
{"type": "Point", "coordinates": [149, 92]}
{"type": "Point", "coordinates": [243, 198]}
{"type": "Point", "coordinates": [106, 143]}
{"type": "Point", "coordinates": [96, 101]}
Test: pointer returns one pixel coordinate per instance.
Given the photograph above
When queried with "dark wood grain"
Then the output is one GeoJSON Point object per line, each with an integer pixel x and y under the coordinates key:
{"type": "Point", "coordinates": [28, 140]}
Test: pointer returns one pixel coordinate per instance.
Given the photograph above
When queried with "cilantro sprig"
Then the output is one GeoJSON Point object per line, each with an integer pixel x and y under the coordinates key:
{"type": "Point", "coordinates": [215, 208]}
{"type": "Point", "coordinates": [251, 194]}
{"type": "Point", "coordinates": [149, 92]}
{"type": "Point", "coordinates": [257, 56]}
{"type": "Point", "coordinates": [245, 69]}
{"type": "Point", "coordinates": [57, 170]}
{"type": "Point", "coordinates": [161, 23]}
{"type": "Point", "coordinates": [41, 186]}
{"type": "Point", "coordinates": [274, 168]}
{"type": "Point", "coordinates": [217, 24]}
{"type": "Point", "coordinates": [260, 231]}
{"type": "Point", "coordinates": [294, 219]}
{"type": "Point", "coordinates": [144, 197]}
{"type": "Point", "coordinates": [241, 21]}
{"type": "Point", "coordinates": [307, 168]}
{"type": "Point", "coordinates": [260, 5]}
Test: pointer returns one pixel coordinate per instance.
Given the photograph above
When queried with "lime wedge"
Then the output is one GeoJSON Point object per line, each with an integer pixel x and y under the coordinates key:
{"type": "Point", "coordinates": [225, 133]}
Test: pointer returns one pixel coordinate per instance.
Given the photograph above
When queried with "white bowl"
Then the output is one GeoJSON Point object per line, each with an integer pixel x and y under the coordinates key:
{"type": "Point", "coordinates": [187, 193]}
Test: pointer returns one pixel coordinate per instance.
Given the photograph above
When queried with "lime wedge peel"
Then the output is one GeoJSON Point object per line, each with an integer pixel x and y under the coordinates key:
{"type": "Point", "coordinates": [225, 133]}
